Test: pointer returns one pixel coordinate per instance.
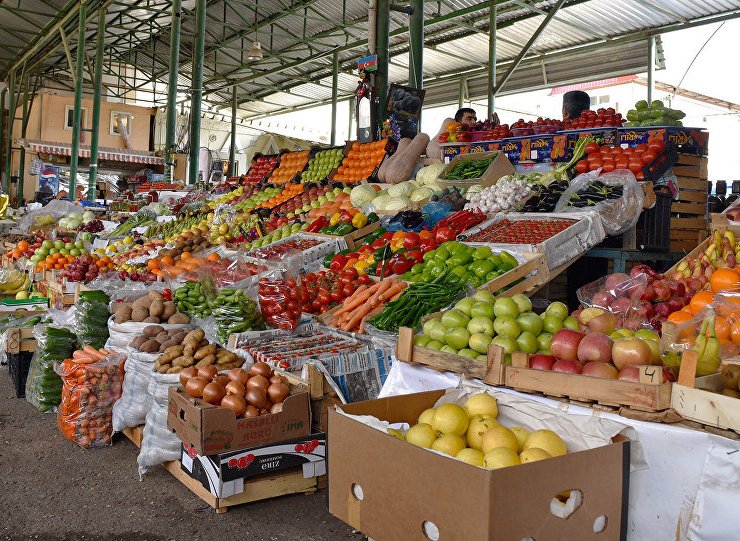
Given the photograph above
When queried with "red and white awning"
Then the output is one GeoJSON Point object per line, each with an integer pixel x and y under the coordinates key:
{"type": "Point", "coordinates": [113, 154]}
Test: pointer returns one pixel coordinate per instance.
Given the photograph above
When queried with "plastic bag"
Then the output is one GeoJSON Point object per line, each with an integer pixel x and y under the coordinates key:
{"type": "Point", "coordinates": [158, 444]}
{"type": "Point", "coordinates": [91, 319]}
{"type": "Point", "coordinates": [85, 413]}
{"type": "Point", "coordinates": [280, 298]}
{"type": "Point", "coordinates": [44, 386]}
{"type": "Point", "coordinates": [135, 401]}
{"type": "Point", "coordinates": [617, 215]}
{"type": "Point", "coordinates": [48, 215]}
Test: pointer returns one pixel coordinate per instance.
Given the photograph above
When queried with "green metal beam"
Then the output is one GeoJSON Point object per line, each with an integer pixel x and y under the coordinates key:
{"type": "Point", "coordinates": [492, 57]}
{"type": "Point", "coordinates": [172, 87]}
{"type": "Point", "coordinates": [11, 120]}
{"type": "Point", "coordinates": [97, 92]}
{"type": "Point", "coordinates": [416, 40]}
{"type": "Point", "coordinates": [24, 122]}
{"type": "Point", "coordinates": [2, 112]}
{"type": "Point", "coordinates": [197, 90]}
{"type": "Point", "coordinates": [382, 43]}
{"type": "Point", "coordinates": [77, 115]}
{"type": "Point", "coordinates": [232, 146]}
{"type": "Point", "coordinates": [334, 94]}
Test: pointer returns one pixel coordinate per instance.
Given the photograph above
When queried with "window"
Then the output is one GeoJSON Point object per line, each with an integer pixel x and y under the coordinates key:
{"type": "Point", "coordinates": [594, 101]}
{"type": "Point", "coordinates": [69, 115]}
{"type": "Point", "coordinates": [603, 99]}
{"type": "Point", "coordinates": [120, 123]}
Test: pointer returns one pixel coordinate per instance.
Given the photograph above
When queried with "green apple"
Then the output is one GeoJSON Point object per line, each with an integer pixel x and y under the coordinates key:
{"type": "Point", "coordinates": [58, 244]}
{"type": "Point", "coordinates": [421, 340]}
{"type": "Point", "coordinates": [465, 305]}
{"type": "Point", "coordinates": [527, 342]}
{"type": "Point", "coordinates": [484, 296]}
{"type": "Point", "coordinates": [522, 302]}
{"type": "Point", "coordinates": [448, 349]}
{"type": "Point", "coordinates": [482, 309]}
{"type": "Point", "coordinates": [481, 325]}
{"type": "Point", "coordinates": [530, 322]}
{"type": "Point", "coordinates": [434, 344]}
{"type": "Point", "coordinates": [52, 251]}
{"type": "Point", "coordinates": [505, 307]}
{"type": "Point", "coordinates": [457, 337]}
{"type": "Point", "coordinates": [552, 324]}
{"type": "Point", "coordinates": [509, 344]}
{"type": "Point", "coordinates": [557, 310]}
{"type": "Point", "coordinates": [74, 252]}
{"type": "Point", "coordinates": [571, 323]}
{"type": "Point", "coordinates": [455, 318]}
{"type": "Point", "coordinates": [543, 341]}
{"type": "Point", "coordinates": [647, 334]}
{"type": "Point", "coordinates": [68, 245]}
{"type": "Point", "coordinates": [479, 342]}
{"type": "Point", "coordinates": [47, 244]}
{"type": "Point", "coordinates": [467, 352]}
{"type": "Point", "coordinates": [507, 326]}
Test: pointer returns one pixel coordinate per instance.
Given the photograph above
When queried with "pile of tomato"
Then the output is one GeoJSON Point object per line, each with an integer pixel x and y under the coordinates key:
{"type": "Point", "coordinates": [521, 231]}
{"type": "Point", "coordinates": [609, 158]}
{"type": "Point", "coordinates": [601, 118]}
{"type": "Point", "coordinates": [325, 289]}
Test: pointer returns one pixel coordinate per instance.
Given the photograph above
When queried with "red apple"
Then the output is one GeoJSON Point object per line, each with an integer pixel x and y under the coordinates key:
{"type": "Point", "coordinates": [568, 366]}
{"type": "Point", "coordinates": [630, 351]}
{"type": "Point", "coordinates": [603, 298]}
{"type": "Point", "coordinates": [604, 324]}
{"type": "Point", "coordinates": [662, 291]}
{"type": "Point", "coordinates": [600, 369]}
{"type": "Point", "coordinates": [595, 347]}
{"type": "Point", "coordinates": [541, 362]}
{"type": "Point", "coordinates": [629, 373]}
{"type": "Point", "coordinates": [564, 344]}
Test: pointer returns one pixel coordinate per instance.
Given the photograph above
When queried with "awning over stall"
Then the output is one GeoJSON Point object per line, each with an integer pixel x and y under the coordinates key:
{"type": "Point", "coordinates": [112, 154]}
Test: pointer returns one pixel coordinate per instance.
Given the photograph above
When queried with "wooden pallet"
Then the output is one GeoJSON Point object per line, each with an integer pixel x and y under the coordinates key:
{"type": "Point", "coordinates": [260, 488]}
{"type": "Point", "coordinates": [689, 223]}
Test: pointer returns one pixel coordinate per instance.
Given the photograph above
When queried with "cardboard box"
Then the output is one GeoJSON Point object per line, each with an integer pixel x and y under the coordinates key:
{"type": "Point", "coordinates": [499, 167]}
{"type": "Point", "coordinates": [223, 474]}
{"type": "Point", "coordinates": [537, 148]}
{"type": "Point", "coordinates": [391, 490]}
{"type": "Point", "coordinates": [211, 429]}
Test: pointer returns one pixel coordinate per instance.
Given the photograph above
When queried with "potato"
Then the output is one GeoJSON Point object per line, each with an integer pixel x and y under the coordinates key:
{"type": "Point", "coordinates": [179, 336]}
{"type": "Point", "coordinates": [122, 314]}
{"type": "Point", "coordinates": [206, 362]}
{"type": "Point", "coordinates": [171, 353]}
{"type": "Point", "coordinates": [139, 314]}
{"type": "Point", "coordinates": [168, 310]}
{"type": "Point", "coordinates": [174, 370]}
{"type": "Point", "coordinates": [143, 302]}
{"type": "Point", "coordinates": [194, 336]}
{"type": "Point", "coordinates": [155, 296]}
{"type": "Point", "coordinates": [152, 319]}
{"type": "Point", "coordinates": [157, 363]}
{"type": "Point", "coordinates": [167, 343]}
{"type": "Point", "coordinates": [229, 358]}
{"type": "Point", "coordinates": [183, 361]}
{"type": "Point", "coordinates": [204, 351]}
{"type": "Point", "coordinates": [156, 308]}
{"type": "Point", "coordinates": [138, 341]}
{"type": "Point", "coordinates": [162, 337]}
{"type": "Point", "coordinates": [118, 306]}
{"type": "Point", "coordinates": [178, 319]}
{"type": "Point", "coordinates": [150, 346]}
{"type": "Point", "coordinates": [189, 348]}
{"type": "Point", "coordinates": [163, 368]}
{"type": "Point", "coordinates": [153, 330]}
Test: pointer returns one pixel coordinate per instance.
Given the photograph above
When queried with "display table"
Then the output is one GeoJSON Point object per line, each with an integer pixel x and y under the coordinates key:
{"type": "Point", "coordinates": [691, 484]}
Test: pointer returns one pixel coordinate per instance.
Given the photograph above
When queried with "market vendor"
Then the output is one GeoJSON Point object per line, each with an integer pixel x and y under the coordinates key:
{"type": "Point", "coordinates": [574, 103]}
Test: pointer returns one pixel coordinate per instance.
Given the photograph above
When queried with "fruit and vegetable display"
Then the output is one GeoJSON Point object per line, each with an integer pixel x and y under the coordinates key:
{"type": "Point", "coordinates": [601, 118]}
{"type": "Point", "coordinates": [323, 163]}
{"type": "Point", "coordinates": [321, 291]}
{"type": "Point", "coordinates": [545, 198]}
{"type": "Point", "coordinates": [654, 113]}
{"type": "Point", "coordinates": [508, 192]}
{"type": "Point", "coordinates": [471, 433]}
{"type": "Point", "coordinates": [277, 251]}
{"type": "Point", "coordinates": [594, 193]}
{"type": "Point", "coordinates": [92, 382]}
{"type": "Point", "coordinates": [153, 307]}
{"type": "Point", "coordinates": [366, 301]}
{"type": "Point", "coordinates": [44, 386]}
{"type": "Point", "coordinates": [361, 161]}
{"type": "Point", "coordinates": [609, 158]}
{"type": "Point", "coordinates": [291, 163]}
{"type": "Point", "coordinates": [341, 223]}
{"type": "Point", "coordinates": [537, 127]}
{"type": "Point", "coordinates": [469, 170]}
{"type": "Point", "coordinates": [184, 349]}
{"type": "Point", "coordinates": [261, 168]}
{"type": "Point", "coordinates": [520, 231]}
{"type": "Point", "coordinates": [248, 393]}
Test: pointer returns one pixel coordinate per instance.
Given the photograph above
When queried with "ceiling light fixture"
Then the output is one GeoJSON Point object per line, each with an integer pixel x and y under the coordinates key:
{"type": "Point", "coordinates": [255, 53]}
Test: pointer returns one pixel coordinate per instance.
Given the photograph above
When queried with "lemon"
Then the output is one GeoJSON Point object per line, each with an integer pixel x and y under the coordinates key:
{"type": "Point", "coordinates": [482, 404]}
{"type": "Point", "coordinates": [450, 419]}
{"type": "Point", "coordinates": [546, 440]}
{"type": "Point", "coordinates": [500, 457]}
{"type": "Point", "coordinates": [533, 454]}
{"type": "Point", "coordinates": [128, 240]}
{"type": "Point", "coordinates": [450, 444]}
{"type": "Point", "coordinates": [499, 436]}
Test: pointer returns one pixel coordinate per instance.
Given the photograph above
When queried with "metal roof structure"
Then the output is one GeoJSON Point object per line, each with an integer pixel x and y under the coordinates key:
{"type": "Point", "coordinates": [586, 40]}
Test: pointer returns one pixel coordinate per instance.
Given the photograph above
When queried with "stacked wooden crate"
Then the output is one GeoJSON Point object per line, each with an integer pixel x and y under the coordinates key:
{"type": "Point", "coordinates": [689, 224]}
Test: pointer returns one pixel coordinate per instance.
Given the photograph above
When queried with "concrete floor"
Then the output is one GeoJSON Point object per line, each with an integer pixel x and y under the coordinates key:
{"type": "Point", "coordinates": [53, 490]}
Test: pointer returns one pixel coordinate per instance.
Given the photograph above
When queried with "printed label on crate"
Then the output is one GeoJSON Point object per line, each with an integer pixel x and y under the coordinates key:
{"type": "Point", "coordinates": [450, 151]}
{"type": "Point", "coordinates": [485, 146]}
{"type": "Point", "coordinates": [687, 139]}
{"type": "Point", "coordinates": [603, 136]}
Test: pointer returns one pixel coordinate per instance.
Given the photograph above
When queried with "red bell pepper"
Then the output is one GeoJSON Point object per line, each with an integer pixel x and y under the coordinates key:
{"type": "Point", "coordinates": [317, 224]}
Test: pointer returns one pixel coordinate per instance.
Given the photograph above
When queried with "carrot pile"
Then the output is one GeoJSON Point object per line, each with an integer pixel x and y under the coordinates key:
{"type": "Point", "coordinates": [365, 302]}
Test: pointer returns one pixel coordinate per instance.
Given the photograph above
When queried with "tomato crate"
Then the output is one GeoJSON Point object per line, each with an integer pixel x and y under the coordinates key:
{"type": "Point", "coordinates": [563, 245]}
{"type": "Point", "coordinates": [311, 256]}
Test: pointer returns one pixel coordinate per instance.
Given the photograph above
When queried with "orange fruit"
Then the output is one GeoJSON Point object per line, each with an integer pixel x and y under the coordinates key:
{"type": "Point", "coordinates": [167, 260]}
{"type": "Point", "coordinates": [152, 264]}
{"type": "Point", "coordinates": [722, 328]}
{"type": "Point", "coordinates": [23, 246]}
{"type": "Point", "coordinates": [700, 300]}
{"type": "Point", "coordinates": [680, 317]}
{"type": "Point", "coordinates": [735, 333]}
{"type": "Point", "coordinates": [724, 279]}
{"type": "Point", "coordinates": [213, 257]}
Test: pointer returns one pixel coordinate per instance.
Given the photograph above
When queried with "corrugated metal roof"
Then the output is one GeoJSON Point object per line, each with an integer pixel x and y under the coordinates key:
{"type": "Point", "coordinates": [298, 41]}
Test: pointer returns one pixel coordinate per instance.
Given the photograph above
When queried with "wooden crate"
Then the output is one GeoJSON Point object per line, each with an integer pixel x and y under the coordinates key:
{"type": "Point", "coordinates": [59, 298]}
{"type": "Point", "coordinates": [534, 273]}
{"type": "Point", "coordinates": [490, 372]}
{"type": "Point", "coordinates": [322, 395]}
{"type": "Point", "coordinates": [352, 239]}
{"type": "Point", "coordinates": [689, 222]}
{"type": "Point", "coordinates": [256, 489]}
{"type": "Point", "coordinates": [699, 400]}
{"type": "Point", "coordinates": [19, 339]}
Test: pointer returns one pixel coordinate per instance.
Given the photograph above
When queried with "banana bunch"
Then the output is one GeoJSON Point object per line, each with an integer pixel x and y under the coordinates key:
{"type": "Point", "coordinates": [708, 349]}
{"type": "Point", "coordinates": [15, 282]}
{"type": "Point", "coordinates": [723, 251]}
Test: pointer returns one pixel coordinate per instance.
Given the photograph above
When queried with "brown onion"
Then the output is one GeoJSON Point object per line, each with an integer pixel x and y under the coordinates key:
{"type": "Point", "coordinates": [276, 408]}
{"type": "Point", "coordinates": [213, 393]}
{"type": "Point", "coordinates": [251, 411]}
{"type": "Point", "coordinates": [195, 386]}
{"type": "Point", "coordinates": [258, 382]}
{"type": "Point", "coordinates": [235, 403]}
{"type": "Point", "coordinates": [278, 378]}
{"type": "Point", "coordinates": [208, 372]}
{"type": "Point", "coordinates": [261, 368]}
{"type": "Point", "coordinates": [223, 379]}
{"type": "Point", "coordinates": [186, 374]}
{"type": "Point", "coordinates": [278, 392]}
{"type": "Point", "coordinates": [238, 374]}
{"type": "Point", "coordinates": [256, 396]}
{"type": "Point", "coordinates": [235, 387]}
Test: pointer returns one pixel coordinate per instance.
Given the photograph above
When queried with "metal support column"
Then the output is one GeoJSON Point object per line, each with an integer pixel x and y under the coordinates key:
{"type": "Point", "coordinates": [197, 89]}
{"type": "Point", "coordinates": [77, 117]}
{"type": "Point", "coordinates": [24, 121]}
{"type": "Point", "coordinates": [461, 93]}
{"type": "Point", "coordinates": [11, 119]}
{"type": "Point", "coordinates": [651, 69]}
{"type": "Point", "coordinates": [2, 113]}
{"type": "Point", "coordinates": [416, 44]}
{"type": "Point", "coordinates": [518, 60]}
{"type": "Point", "coordinates": [97, 91]}
{"type": "Point", "coordinates": [492, 29]}
{"type": "Point", "coordinates": [232, 146]}
{"type": "Point", "coordinates": [172, 88]}
{"type": "Point", "coordinates": [334, 95]}
{"type": "Point", "coordinates": [381, 48]}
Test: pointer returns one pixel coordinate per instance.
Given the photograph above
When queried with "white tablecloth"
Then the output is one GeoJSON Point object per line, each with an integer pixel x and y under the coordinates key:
{"type": "Point", "coordinates": [692, 476]}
